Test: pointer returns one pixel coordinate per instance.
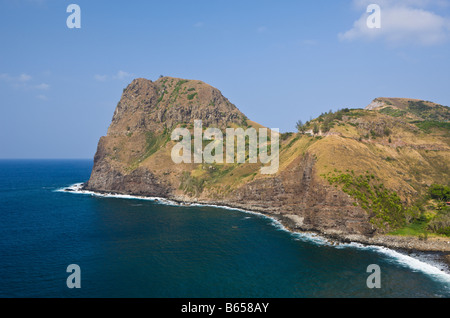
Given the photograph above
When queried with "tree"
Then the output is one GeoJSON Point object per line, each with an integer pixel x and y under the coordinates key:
{"type": "Point", "coordinates": [300, 127]}
{"type": "Point", "coordinates": [325, 127]}
{"type": "Point", "coordinates": [439, 192]}
{"type": "Point", "coordinates": [315, 129]}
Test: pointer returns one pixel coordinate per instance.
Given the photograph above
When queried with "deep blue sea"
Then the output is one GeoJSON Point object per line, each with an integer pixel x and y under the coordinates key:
{"type": "Point", "coordinates": [142, 248]}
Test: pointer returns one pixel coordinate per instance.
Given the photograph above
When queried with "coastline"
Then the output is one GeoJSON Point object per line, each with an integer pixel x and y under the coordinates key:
{"type": "Point", "coordinates": [436, 248]}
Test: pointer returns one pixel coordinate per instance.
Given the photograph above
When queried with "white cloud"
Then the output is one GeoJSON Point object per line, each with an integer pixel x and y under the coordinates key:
{"type": "Point", "coordinates": [198, 24]}
{"type": "Point", "coordinates": [121, 75]}
{"type": "Point", "coordinates": [362, 4]}
{"type": "Point", "coordinates": [402, 22]}
{"type": "Point", "coordinates": [100, 78]}
{"type": "Point", "coordinates": [22, 78]}
{"type": "Point", "coordinates": [42, 86]}
{"type": "Point", "coordinates": [310, 42]}
{"type": "Point", "coordinates": [24, 83]}
{"type": "Point", "coordinates": [262, 29]}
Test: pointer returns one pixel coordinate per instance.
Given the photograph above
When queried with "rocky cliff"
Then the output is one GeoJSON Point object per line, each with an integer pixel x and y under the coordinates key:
{"type": "Point", "coordinates": [135, 157]}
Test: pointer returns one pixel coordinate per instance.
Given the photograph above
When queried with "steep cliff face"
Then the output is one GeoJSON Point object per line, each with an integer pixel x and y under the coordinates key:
{"type": "Point", "coordinates": [135, 157]}
{"type": "Point", "coordinates": [144, 117]}
{"type": "Point", "coordinates": [303, 201]}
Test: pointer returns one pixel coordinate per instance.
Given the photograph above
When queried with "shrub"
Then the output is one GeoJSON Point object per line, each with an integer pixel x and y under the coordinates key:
{"type": "Point", "coordinates": [191, 96]}
{"type": "Point", "coordinates": [315, 129]}
{"type": "Point", "coordinates": [300, 127]}
{"type": "Point", "coordinates": [440, 224]}
{"type": "Point", "coordinates": [427, 125]}
{"type": "Point", "coordinates": [286, 136]}
{"type": "Point", "coordinates": [325, 127]}
{"type": "Point", "coordinates": [439, 192]}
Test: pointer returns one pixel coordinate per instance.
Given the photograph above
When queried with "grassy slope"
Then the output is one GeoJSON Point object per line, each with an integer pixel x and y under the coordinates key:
{"type": "Point", "coordinates": [407, 159]}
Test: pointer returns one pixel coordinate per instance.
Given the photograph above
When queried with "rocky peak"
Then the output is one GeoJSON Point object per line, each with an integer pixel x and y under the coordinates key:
{"type": "Point", "coordinates": [376, 103]}
{"type": "Point", "coordinates": [152, 106]}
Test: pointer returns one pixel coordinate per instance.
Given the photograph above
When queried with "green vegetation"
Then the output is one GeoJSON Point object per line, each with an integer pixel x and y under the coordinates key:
{"type": "Point", "coordinates": [216, 172]}
{"type": "Point", "coordinates": [244, 122]}
{"type": "Point", "coordinates": [427, 125]}
{"type": "Point", "coordinates": [356, 113]}
{"type": "Point", "coordinates": [191, 185]}
{"type": "Point", "coordinates": [393, 112]}
{"type": "Point", "coordinates": [208, 176]}
{"type": "Point", "coordinates": [316, 129]}
{"type": "Point", "coordinates": [326, 126]}
{"type": "Point", "coordinates": [374, 134]}
{"type": "Point", "coordinates": [191, 96]}
{"type": "Point", "coordinates": [161, 97]}
{"type": "Point", "coordinates": [383, 206]}
{"type": "Point", "coordinates": [327, 121]}
{"type": "Point", "coordinates": [301, 128]}
{"type": "Point", "coordinates": [176, 91]}
{"type": "Point", "coordinates": [422, 110]}
{"type": "Point", "coordinates": [153, 143]}
{"type": "Point", "coordinates": [439, 192]}
{"type": "Point", "coordinates": [286, 136]}
{"type": "Point", "coordinates": [293, 141]}
{"type": "Point", "coordinates": [417, 228]}
{"type": "Point", "coordinates": [440, 224]}
{"type": "Point", "coordinates": [429, 215]}
{"type": "Point", "coordinates": [438, 195]}
{"type": "Point", "coordinates": [418, 107]}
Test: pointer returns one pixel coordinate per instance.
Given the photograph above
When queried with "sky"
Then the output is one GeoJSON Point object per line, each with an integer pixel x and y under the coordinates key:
{"type": "Point", "coordinates": [277, 61]}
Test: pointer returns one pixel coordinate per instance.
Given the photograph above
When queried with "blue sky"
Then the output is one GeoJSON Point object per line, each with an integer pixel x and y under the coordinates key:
{"type": "Point", "coordinates": [277, 61]}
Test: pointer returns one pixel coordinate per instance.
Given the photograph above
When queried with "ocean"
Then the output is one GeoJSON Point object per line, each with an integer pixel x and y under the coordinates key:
{"type": "Point", "coordinates": [131, 247]}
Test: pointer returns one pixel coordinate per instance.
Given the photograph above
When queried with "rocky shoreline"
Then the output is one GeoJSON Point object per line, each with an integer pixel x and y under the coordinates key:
{"type": "Point", "coordinates": [437, 247]}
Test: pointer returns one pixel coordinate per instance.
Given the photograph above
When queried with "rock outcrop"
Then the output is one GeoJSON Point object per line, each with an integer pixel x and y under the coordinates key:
{"type": "Point", "coordinates": [134, 158]}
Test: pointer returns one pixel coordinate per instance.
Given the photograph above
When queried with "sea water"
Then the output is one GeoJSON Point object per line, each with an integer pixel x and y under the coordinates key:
{"type": "Point", "coordinates": [134, 247]}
